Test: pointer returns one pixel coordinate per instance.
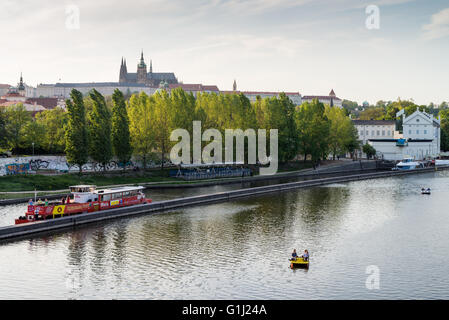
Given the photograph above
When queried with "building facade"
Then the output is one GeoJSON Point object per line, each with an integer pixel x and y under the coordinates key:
{"type": "Point", "coordinates": [421, 139]}
{"type": "Point", "coordinates": [330, 99]}
{"type": "Point", "coordinates": [62, 90]}
{"type": "Point", "coordinates": [195, 88]}
{"type": "Point", "coordinates": [295, 97]}
{"type": "Point", "coordinates": [17, 95]}
{"type": "Point", "coordinates": [141, 81]}
{"type": "Point", "coordinates": [152, 79]}
{"type": "Point", "coordinates": [374, 129]}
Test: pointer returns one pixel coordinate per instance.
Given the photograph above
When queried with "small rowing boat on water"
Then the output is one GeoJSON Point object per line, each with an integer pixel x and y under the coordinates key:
{"type": "Point", "coordinates": [299, 263]}
{"type": "Point", "coordinates": [425, 191]}
{"type": "Point", "coordinates": [85, 198]}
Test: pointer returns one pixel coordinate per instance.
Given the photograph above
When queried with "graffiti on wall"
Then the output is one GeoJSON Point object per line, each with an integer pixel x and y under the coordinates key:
{"type": "Point", "coordinates": [17, 168]}
{"type": "Point", "coordinates": [59, 164]}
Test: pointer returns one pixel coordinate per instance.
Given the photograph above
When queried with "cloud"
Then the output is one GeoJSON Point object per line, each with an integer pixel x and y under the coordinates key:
{"type": "Point", "coordinates": [259, 46]}
{"type": "Point", "coordinates": [438, 27]}
{"type": "Point", "coordinates": [258, 6]}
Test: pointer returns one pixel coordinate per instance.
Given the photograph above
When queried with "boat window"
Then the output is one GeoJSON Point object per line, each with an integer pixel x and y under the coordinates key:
{"type": "Point", "coordinates": [126, 194]}
{"type": "Point", "coordinates": [106, 197]}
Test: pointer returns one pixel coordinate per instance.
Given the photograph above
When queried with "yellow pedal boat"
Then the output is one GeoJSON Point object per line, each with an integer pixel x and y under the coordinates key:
{"type": "Point", "coordinates": [299, 263]}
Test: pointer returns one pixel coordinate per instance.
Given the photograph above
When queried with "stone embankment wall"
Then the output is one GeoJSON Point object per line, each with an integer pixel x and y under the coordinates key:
{"type": "Point", "coordinates": [72, 221]}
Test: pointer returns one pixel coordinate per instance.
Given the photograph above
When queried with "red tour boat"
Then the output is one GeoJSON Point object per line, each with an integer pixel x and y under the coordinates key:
{"type": "Point", "coordinates": [85, 198]}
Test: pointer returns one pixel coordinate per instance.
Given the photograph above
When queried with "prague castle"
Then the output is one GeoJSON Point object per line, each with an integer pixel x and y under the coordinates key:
{"type": "Point", "coordinates": [141, 81]}
{"type": "Point", "coordinates": [152, 79]}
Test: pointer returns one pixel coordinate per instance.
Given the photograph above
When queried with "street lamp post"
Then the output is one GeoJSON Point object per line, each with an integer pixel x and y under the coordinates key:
{"type": "Point", "coordinates": [33, 147]}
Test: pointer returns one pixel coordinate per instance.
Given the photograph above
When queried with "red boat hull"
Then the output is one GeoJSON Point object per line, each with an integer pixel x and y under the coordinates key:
{"type": "Point", "coordinates": [59, 210]}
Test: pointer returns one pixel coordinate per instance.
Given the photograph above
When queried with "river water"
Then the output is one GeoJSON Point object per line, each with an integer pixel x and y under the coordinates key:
{"type": "Point", "coordinates": [240, 249]}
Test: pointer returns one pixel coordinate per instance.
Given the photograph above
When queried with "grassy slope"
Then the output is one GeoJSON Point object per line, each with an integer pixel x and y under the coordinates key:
{"type": "Point", "coordinates": [58, 182]}
{"type": "Point", "coordinates": [63, 181]}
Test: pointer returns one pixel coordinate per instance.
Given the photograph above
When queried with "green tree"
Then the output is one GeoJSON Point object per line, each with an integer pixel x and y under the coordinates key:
{"type": "Point", "coordinates": [444, 127]}
{"type": "Point", "coordinates": [34, 136]}
{"type": "Point", "coordinates": [341, 131]}
{"type": "Point", "coordinates": [141, 126]}
{"type": "Point", "coordinates": [162, 123]}
{"type": "Point", "coordinates": [100, 146]}
{"type": "Point", "coordinates": [312, 130]}
{"type": "Point", "coordinates": [278, 113]}
{"type": "Point", "coordinates": [3, 131]}
{"type": "Point", "coordinates": [17, 119]}
{"type": "Point", "coordinates": [76, 146]}
{"type": "Point", "coordinates": [121, 140]}
{"type": "Point", "coordinates": [54, 122]}
{"type": "Point", "coordinates": [353, 144]}
{"type": "Point", "coordinates": [373, 113]}
{"type": "Point", "coordinates": [369, 150]}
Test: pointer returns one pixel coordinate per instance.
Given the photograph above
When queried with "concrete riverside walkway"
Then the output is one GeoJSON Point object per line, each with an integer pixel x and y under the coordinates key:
{"type": "Point", "coordinates": [366, 165]}
{"type": "Point", "coordinates": [27, 229]}
{"type": "Point", "coordinates": [345, 166]}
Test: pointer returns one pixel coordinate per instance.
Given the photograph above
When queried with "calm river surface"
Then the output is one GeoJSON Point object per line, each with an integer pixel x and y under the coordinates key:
{"type": "Point", "coordinates": [240, 249]}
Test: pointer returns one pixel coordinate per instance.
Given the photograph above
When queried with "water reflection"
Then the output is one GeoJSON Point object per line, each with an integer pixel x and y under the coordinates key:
{"type": "Point", "coordinates": [240, 249]}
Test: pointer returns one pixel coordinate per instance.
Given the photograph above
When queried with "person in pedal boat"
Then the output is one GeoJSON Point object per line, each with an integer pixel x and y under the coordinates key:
{"type": "Point", "coordinates": [305, 255]}
{"type": "Point", "coordinates": [294, 255]}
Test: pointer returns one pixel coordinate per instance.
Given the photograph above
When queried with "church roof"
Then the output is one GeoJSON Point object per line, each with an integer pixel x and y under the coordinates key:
{"type": "Point", "coordinates": [49, 103]}
{"type": "Point", "coordinates": [153, 75]}
{"type": "Point", "coordinates": [194, 87]}
{"type": "Point", "coordinates": [96, 84]}
{"type": "Point", "coordinates": [374, 122]}
{"type": "Point", "coordinates": [262, 92]}
{"type": "Point", "coordinates": [321, 97]}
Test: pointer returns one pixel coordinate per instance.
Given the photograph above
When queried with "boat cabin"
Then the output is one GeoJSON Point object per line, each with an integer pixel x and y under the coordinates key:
{"type": "Point", "coordinates": [119, 193]}
{"type": "Point", "coordinates": [84, 193]}
{"type": "Point", "coordinates": [89, 193]}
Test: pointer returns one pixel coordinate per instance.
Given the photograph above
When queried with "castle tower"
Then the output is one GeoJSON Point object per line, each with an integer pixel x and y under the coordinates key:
{"type": "Point", "coordinates": [21, 86]}
{"type": "Point", "coordinates": [332, 95]}
{"type": "Point", "coordinates": [141, 70]}
{"type": "Point", "coordinates": [123, 72]}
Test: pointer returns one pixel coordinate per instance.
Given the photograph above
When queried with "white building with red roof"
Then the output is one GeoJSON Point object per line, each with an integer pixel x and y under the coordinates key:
{"type": "Point", "coordinates": [16, 95]}
{"type": "Point", "coordinates": [330, 99]}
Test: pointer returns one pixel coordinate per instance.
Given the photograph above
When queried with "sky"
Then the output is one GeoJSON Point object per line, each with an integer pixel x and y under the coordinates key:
{"type": "Point", "coordinates": [364, 50]}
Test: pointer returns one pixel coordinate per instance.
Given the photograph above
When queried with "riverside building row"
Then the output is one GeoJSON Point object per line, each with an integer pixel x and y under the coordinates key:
{"type": "Point", "coordinates": [148, 81]}
{"type": "Point", "coordinates": [420, 137]}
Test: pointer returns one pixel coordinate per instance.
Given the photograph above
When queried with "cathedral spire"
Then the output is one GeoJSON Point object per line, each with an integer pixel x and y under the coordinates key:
{"type": "Point", "coordinates": [151, 66]}
{"type": "Point", "coordinates": [123, 71]}
{"type": "Point", "coordinates": [142, 61]}
{"type": "Point", "coordinates": [234, 86]}
{"type": "Point", "coordinates": [21, 85]}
